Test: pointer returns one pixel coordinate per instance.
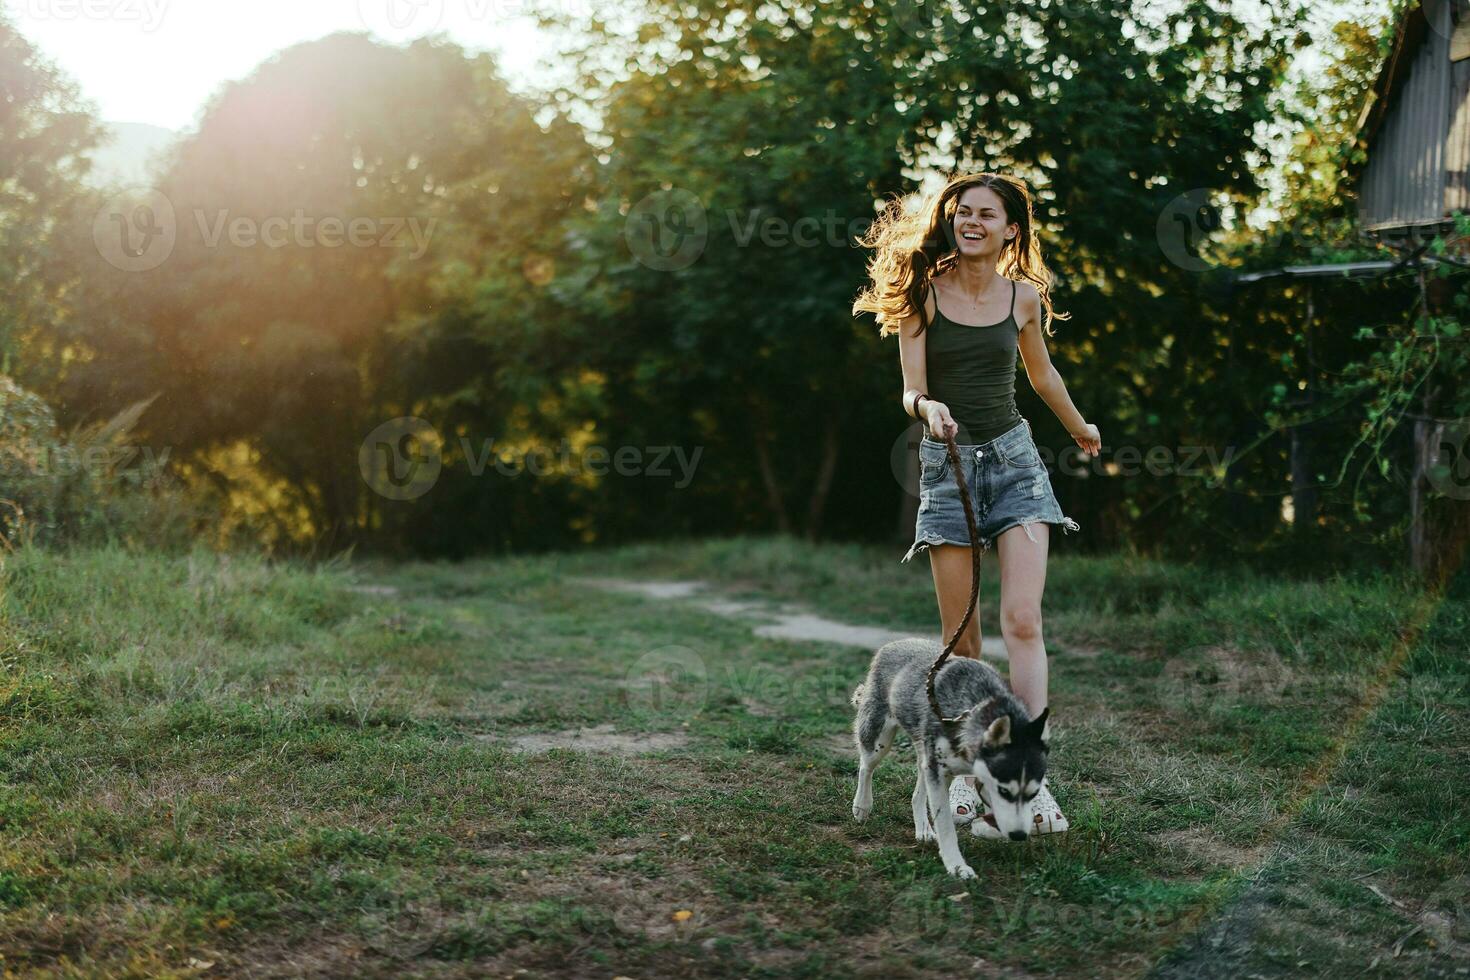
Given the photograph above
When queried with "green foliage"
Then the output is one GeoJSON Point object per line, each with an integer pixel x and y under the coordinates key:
{"type": "Point", "coordinates": [92, 484]}
{"type": "Point", "coordinates": [1356, 361]}
{"type": "Point", "coordinates": [288, 342]}
{"type": "Point", "coordinates": [45, 134]}
{"type": "Point", "coordinates": [781, 112]}
{"type": "Point", "coordinates": [312, 761]}
{"type": "Point", "coordinates": [535, 315]}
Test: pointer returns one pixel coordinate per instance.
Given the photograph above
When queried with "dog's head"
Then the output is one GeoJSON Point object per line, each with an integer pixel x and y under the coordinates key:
{"type": "Point", "coordinates": [1009, 759]}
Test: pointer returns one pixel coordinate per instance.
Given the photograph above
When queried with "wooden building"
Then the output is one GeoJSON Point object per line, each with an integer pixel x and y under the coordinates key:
{"type": "Point", "coordinates": [1416, 127]}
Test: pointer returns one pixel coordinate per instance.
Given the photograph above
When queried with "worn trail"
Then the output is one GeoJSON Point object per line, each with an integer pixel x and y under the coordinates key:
{"type": "Point", "coordinates": [781, 621]}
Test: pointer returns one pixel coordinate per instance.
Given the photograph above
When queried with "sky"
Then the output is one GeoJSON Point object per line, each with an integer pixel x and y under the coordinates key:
{"type": "Point", "coordinates": [158, 61]}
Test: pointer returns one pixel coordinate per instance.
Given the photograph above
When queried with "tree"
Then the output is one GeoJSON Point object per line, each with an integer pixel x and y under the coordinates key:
{"type": "Point", "coordinates": [45, 131]}
{"type": "Point", "coordinates": [1352, 361]}
{"type": "Point", "coordinates": [754, 109]}
{"type": "Point", "coordinates": [318, 211]}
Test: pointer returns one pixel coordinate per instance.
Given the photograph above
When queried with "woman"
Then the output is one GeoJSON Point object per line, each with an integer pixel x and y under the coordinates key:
{"type": "Point", "coordinates": [962, 283]}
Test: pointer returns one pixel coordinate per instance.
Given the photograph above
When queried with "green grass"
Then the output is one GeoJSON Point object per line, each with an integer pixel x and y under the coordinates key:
{"type": "Point", "coordinates": [268, 769]}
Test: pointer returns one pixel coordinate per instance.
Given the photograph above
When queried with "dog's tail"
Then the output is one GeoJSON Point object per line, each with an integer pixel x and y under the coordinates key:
{"type": "Point", "coordinates": [858, 693]}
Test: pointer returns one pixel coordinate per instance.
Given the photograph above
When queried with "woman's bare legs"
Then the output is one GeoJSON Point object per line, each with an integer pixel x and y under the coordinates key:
{"type": "Point", "coordinates": [953, 568]}
{"type": "Point", "coordinates": [954, 576]}
{"type": "Point", "coordinates": [1022, 580]}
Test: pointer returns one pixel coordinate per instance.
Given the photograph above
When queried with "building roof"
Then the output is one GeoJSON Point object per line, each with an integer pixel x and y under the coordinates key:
{"type": "Point", "coordinates": [1409, 34]}
{"type": "Point", "coordinates": [1343, 270]}
{"type": "Point", "coordinates": [1415, 125]}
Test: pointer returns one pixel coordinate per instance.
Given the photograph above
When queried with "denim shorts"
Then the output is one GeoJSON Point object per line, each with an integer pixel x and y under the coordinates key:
{"type": "Point", "coordinates": [1008, 486]}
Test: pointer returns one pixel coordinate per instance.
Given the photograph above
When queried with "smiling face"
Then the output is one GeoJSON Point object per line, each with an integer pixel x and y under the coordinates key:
{"type": "Point", "coordinates": [980, 226]}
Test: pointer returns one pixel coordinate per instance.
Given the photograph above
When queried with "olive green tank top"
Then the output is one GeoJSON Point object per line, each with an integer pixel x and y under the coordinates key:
{"type": "Point", "coordinates": [972, 369]}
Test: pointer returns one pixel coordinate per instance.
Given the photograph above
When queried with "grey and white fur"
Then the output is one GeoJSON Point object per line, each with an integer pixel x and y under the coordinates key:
{"type": "Point", "coordinates": [995, 740]}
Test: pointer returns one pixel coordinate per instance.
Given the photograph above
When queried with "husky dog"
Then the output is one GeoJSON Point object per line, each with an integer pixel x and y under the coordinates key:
{"type": "Point", "coordinates": [995, 739]}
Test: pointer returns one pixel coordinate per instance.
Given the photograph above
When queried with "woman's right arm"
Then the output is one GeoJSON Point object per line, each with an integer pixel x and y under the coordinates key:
{"type": "Point", "coordinates": [911, 355]}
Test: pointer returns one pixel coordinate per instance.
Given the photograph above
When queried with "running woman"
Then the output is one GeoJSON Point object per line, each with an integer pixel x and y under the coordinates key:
{"type": "Point", "coordinates": [962, 282]}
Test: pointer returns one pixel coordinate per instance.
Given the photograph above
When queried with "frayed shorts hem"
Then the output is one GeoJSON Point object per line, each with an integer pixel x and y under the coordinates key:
{"type": "Point", "coordinates": [924, 541]}
{"type": "Point", "coordinates": [927, 540]}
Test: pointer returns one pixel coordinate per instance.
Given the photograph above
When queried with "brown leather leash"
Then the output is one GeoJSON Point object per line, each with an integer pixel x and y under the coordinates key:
{"type": "Point", "coordinates": [959, 476]}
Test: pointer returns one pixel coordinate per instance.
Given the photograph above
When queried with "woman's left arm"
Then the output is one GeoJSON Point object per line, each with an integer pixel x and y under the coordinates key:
{"type": "Point", "coordinates": [1044, 377]}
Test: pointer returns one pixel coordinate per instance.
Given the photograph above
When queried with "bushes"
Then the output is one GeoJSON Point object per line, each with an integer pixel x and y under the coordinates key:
{"type": "Point", "coordinates": [89, 485]}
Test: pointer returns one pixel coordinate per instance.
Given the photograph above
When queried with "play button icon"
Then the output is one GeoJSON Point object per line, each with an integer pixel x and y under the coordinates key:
{"type": "Point", "coordinates": [401, 20]}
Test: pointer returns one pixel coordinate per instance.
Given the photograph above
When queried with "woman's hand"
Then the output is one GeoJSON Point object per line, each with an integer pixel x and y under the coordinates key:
{"type": "Point", "coordinates": [1089, 439]}
{"type": "Point", "coordinates": [939, 419]}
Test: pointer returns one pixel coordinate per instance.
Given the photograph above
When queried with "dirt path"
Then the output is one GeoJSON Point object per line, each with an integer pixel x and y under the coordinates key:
{"type": "Point", "coordinates": [783, 621]}
{"type": "Point", "coordinates": [598, 738]}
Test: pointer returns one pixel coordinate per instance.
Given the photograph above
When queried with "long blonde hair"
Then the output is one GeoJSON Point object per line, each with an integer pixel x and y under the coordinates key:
{"type": "Point", "coordinates": [911, 248]}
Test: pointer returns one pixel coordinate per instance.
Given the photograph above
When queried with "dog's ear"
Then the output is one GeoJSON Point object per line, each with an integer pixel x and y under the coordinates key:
{"type": "Point", "coordinates": [955, 732]}
{"type": "Point", "coordinates": [1042, 726]}
{"type": "Point", "coordinates": [998, 734]}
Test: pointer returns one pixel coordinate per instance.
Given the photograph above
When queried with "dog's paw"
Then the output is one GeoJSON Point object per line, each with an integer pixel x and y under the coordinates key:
{"type": "Point", "coordinates": [962, 870]}
{"type": "Point", "coordinates": [925, 834]}
{"type": "Point", "coordinates": [860, 813]}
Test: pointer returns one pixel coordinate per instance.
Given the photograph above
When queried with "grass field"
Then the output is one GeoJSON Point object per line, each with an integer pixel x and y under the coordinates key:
{"type": "Point", "coordinates": [214, 766]}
